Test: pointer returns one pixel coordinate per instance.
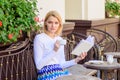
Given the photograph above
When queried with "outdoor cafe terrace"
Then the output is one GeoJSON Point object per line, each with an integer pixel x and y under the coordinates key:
{"type": "Point", "coordinates": [16, 61]}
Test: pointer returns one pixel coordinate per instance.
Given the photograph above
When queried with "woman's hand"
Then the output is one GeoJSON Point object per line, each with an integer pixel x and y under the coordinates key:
{"type": "Point", "coordinates": [81, 57]}
{"type": "Point", "coordinates": [56, 45]}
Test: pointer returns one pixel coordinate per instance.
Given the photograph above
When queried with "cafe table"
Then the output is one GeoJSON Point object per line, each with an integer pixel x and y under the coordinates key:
{"type": "Point", "coordinates": [105, 67]}
{"type": "Point", "coordinates": [117, 57]}
{"type": "Point", "coordinates": [115, 54]}
{"type": "Point", "coordinates": [78, 77]}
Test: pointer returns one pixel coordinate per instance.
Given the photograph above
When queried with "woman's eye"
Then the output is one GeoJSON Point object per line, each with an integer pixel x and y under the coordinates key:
{"type": "Point", "coordinates": [50, 22]}
{"type": "Point", "coordinates": [56, 23]}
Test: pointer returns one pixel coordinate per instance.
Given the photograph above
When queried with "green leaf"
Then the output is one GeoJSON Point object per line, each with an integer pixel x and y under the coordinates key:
{"type": "Point", "coordinates": [16, 15]}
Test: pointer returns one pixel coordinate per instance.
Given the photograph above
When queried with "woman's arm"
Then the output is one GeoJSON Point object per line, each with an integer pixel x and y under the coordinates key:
{"type": "Point", "coordinates": [74, 61]}
{"type": "Point", "coordinates": [68, 63]}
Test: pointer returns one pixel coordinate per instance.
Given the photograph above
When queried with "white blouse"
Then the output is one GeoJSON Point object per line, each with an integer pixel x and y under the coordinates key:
{"type": "Point", "coordinates": [45, 55]}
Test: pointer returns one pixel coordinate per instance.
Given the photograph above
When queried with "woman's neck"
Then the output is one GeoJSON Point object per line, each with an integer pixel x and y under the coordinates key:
{"type": "Point", "coordinates": [52, 35]}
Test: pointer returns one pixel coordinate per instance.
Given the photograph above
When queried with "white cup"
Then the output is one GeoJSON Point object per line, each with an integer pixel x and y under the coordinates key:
{"type": "Point", "coordinates": [63, 42]}
{"type": "Point", "coordinates": [110, 59]}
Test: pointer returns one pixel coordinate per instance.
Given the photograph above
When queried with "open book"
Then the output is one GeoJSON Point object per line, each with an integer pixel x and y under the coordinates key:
{"type": "Point", "coordinates": [83, 45]}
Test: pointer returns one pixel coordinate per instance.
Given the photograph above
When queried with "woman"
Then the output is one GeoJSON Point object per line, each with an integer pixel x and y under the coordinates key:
{"type": "Point", "coordinates": [48, 53]}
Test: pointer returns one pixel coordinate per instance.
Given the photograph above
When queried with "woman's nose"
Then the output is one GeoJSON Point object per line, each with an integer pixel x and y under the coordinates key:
{"type": "Point", "coordinates": [53, 25]}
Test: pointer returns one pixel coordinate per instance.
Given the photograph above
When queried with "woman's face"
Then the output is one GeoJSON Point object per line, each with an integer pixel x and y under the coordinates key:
{"type": "Point", "coordinates": [52, 24]}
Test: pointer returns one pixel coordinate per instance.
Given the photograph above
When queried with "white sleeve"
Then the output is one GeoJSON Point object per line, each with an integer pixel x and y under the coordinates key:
{"type": "Point", "coordinates": [38, 54]}
{"type": "Point", "coordinates": [65, 63]}
{"type": "Point", "coordinates": [68, 63]}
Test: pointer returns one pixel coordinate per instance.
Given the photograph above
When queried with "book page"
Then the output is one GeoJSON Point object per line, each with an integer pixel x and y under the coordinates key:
{"type": "Point", "coordinates": [83, 46]}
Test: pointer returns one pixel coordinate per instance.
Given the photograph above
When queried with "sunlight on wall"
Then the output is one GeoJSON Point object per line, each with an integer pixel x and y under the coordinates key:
{"type": "Point", "coordinates": [84, 9]}
{"type": "Point", "coordinates": [46, 5]}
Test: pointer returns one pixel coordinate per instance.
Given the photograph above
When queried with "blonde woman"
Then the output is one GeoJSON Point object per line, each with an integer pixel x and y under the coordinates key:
{"type": "Point", "coordinates": [48, 53]}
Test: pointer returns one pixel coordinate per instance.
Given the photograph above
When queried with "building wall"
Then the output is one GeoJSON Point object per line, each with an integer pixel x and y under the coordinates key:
{"type": "Point", "coordinates": [84, 9]}
{"type": "Point", "coordinates": [46, 5]}
{"type": "Point", "coordinates": [96, 9]}
{"type": "Point", "coordinates": [73, 9]}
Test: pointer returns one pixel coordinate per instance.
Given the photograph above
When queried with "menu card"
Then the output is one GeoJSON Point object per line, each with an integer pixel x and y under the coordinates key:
{"type": "Point", "coordinates": [83, 46]}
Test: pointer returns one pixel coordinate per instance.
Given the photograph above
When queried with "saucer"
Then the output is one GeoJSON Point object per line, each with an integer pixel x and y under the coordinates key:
{"type": "Point", "coordinates": [96, 62]}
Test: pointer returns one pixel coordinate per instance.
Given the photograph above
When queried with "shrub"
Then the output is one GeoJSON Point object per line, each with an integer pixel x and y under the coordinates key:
{"type": "Point", "coordinates": [112, 8]}
{"type": "Point", "coordinates": [16, 17]}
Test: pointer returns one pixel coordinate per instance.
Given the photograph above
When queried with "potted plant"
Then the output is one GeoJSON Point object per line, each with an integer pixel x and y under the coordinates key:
{"type": "Point", "coordinates": [16, 17]}
{"type": "Point", "coordinates": [112, 8]}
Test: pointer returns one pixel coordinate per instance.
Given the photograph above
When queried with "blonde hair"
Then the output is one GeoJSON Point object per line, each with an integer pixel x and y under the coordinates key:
{"type": "Point", "coordinates": [56, 15]}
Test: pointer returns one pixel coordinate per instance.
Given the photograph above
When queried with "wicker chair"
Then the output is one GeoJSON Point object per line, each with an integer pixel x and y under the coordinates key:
{"type": "Point", "coordinates": [72, 40]}
{"type": "Point", "coordinates": [104, 42]}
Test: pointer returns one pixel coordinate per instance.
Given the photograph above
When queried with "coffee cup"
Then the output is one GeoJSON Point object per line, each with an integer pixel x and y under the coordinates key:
{"type": "Point", "coordinates": [63, 42]}
{"type": "Point", "coordinates": [110, 59]}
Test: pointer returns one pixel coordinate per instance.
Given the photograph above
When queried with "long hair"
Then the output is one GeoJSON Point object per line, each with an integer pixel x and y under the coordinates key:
{"type": "Point", "coordinates": [56, 15]}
